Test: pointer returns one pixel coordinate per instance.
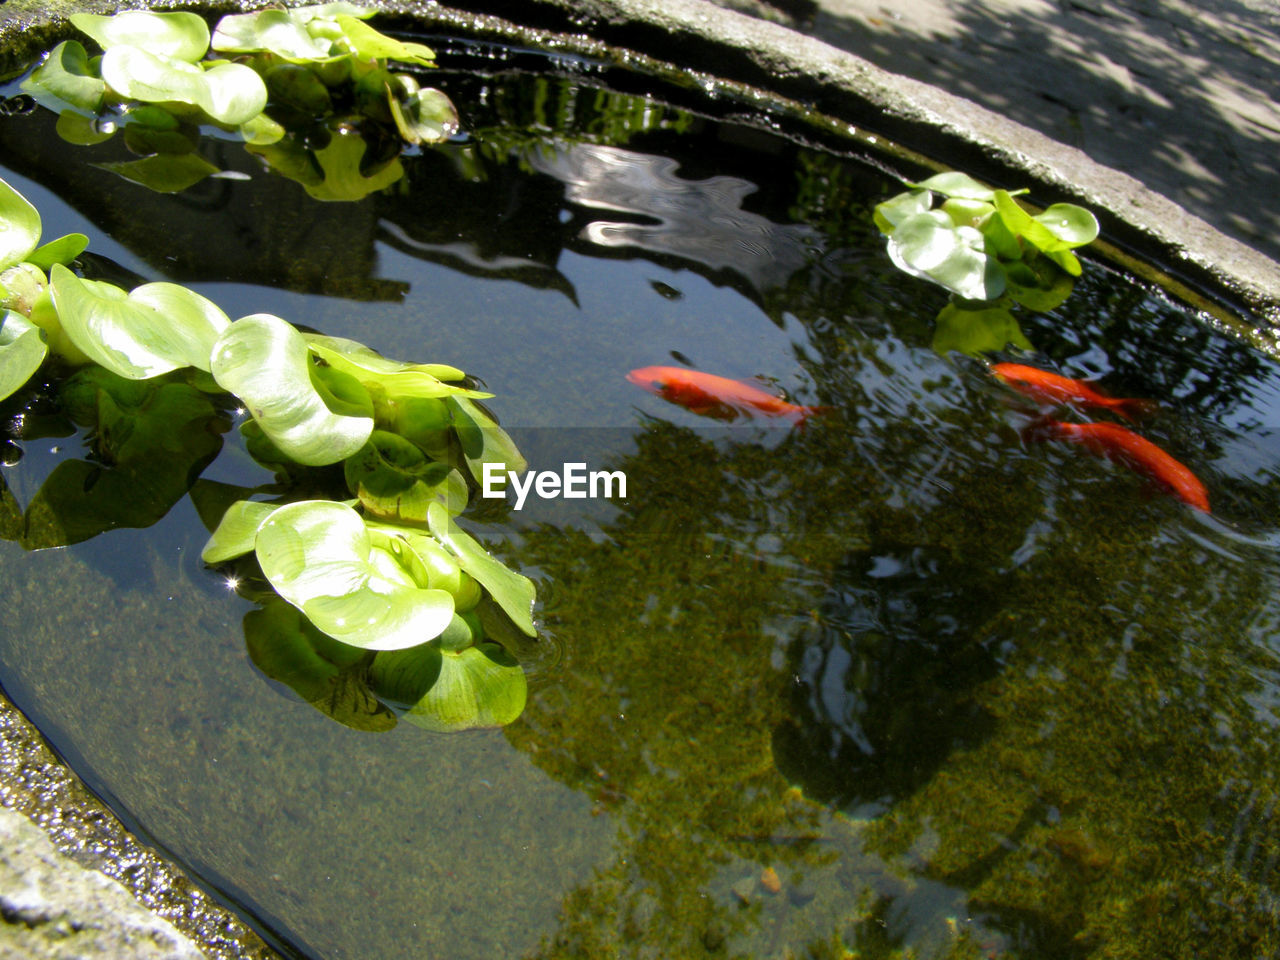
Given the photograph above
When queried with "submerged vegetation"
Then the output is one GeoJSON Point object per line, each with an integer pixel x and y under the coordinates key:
{"type": "Point", "coordinates": [893, 686]}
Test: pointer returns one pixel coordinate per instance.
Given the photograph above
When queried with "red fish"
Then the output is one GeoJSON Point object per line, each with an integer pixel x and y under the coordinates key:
{"type": "Point", "coordinates": [1137, 453]}
{"type": "Point", "coordinates": [1046, 387]}
{"type": "Point", "coordinates": [719, 397]}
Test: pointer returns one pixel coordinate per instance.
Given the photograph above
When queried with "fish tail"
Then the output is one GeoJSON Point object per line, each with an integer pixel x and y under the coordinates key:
{"type": "Point", "coordinates": [799, 416]}
{"type": "Point", "coordinates": [1134, 409]}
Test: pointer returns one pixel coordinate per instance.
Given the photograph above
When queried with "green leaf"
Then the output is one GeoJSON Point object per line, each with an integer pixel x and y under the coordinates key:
{"type": "Point", "coordinates": [368, 44]}
{"type": "Point", "coordinates": [394, 480]}
{"type": "Point", "coordinates": [968, 213]}
{"type": "Point", "coordinates": [22, 286]}
{"type": "Point", "coordinates": [1021, 224]}
{"type": "Point", "coordinates": [82, 131]}
{"type": "Point", "coordinates": [325, 673]}
{"type": "Point", "coordinates": [954, 184]}
{"type": "Point", "coordinates": [893, 211]}
{"type": "Point", "coordinates": [19, 227]}
{"type": "Point", "coordinates": [930, 246]}
{"type": "Point", "coordinates": [513, 592]}
{"type": "Point", "coordinates": [280, 32]}
{"type": "Point", "coordinates": [237, 531]}
{"type": "Point", "coordinates": [230, 93]}
{"type": "Point", "coordinates": [152, 439]}
{"type": "Point", "coordinates": [319, 556]}
{"type": "Point", "coordinates": [182, 36]}
{"type": "Point", "coordinates": [403, 677]}
{"type": "Point", "coordinates": [410, 379]}
{"type": "Point", "coordinates": [483, 441]}
{"type": "Point", "coordinates": [1073, 226]}
{"type": "Point", "coordinates": [977, 332]}
{"type": "Point", "coordinates": [66, 77]}
{"type": "Point", "coordinates": [156, 328]}
{"type": "Point", "coordinates": [421, 116]}
{"type": "Point", "coordinates": [343, 179]}
{"type": "Point", "coordinates": [63, 250]}
{"type": "Point", "coordinates": [22, 351]}
{"type": "Point", "coordinates": [163, 172]}
{"type": "Point", "coordinates": [481, 686]}
{"type": "Point", "coordinates": [266, 363]}
{"type": "Point", "coordinates": [1038, 285]}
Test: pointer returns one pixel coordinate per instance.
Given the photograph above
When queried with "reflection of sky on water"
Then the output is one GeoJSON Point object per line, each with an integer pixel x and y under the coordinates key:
{"type": "Point", "coordinates": [698, 220]}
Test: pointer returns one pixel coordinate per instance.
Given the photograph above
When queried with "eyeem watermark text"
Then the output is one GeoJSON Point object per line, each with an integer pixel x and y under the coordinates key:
{"type": "Point", "coordinates": [572, 483]}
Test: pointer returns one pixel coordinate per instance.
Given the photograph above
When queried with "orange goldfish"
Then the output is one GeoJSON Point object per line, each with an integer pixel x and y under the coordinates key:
{"type": "Point", "coordinates": [1046, 387]}
{"type": "Point", "coordinates": [719, 397]}
{"type": "Point", "coordinates": [1137, 453]}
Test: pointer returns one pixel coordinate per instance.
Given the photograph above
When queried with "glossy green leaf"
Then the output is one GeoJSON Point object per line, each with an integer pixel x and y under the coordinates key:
{"type": "Point", "coordinates": [319, 556]}
{"type": "Point", "coordinates": [394, 480]}
{"type": "Point", "coordinates": [513, 592]}
{"type": "Point", "coordinates": [1023, 225]}
{"type": "Point", "coordinates": [62, 250]}
{"type": "Point", "coordinates": [21, 287]}
{"type": "Point", "coordinates": [368, 44]}
{"type": "Point", "coordinates": [156, 328]}
{"type": "Point", "coordinates": [237, 531]}
{"type": "Point", "coordinates": [163, 172]}
{"type": "Point", "coordinates": [230, 93]}
{"type": "Point", "coordinates": [403, 677]}
{"type": "Point", "coordinates": [1072, 225]}
{"type": "Point", "coordinates": [893, 211]}
{"type": "Point", "coordinates": [968, 213]}
{"type": "Point", "coordinates": [151, 440]}
{"type": "Point", "coordinates": [329, 675]}
{"type": "Point", "coordinates": [182, 36]}
{"type": "Point", "coordinates": [45, 315]}
{"type": "Point", "coordinates": [82, 131]}
{"type": "Point", "coordinates": [421, 115]}
{"type": "Point", "coordinates": [954, 184]}
{"type": "Point", "coordinates": [265, 362]}
{"type": "Point", "coordinates": [483, 441]}
{"type": "Point", "coordinates": [66, 77]}
{"type": "Point", "coordinates": [280, 32]}
{"type": "Point", "coordinates": [481, 686]}
{"type": "Point", "coordinates": [930, 246]}
{"type": "Point", "coordinates": [977, 332]}
{"type": "Point", "coordinates": [19, 227]}
{"type": "Point", "coordinates": [22, 351]}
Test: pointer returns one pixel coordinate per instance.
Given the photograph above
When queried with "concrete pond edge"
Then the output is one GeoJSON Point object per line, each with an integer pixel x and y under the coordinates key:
{"type": "Point", "coordinates": [76, 843]}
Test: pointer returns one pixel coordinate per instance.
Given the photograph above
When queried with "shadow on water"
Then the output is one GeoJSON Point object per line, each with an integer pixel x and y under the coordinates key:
{"type": "Point", "coordinates": [896, 681]}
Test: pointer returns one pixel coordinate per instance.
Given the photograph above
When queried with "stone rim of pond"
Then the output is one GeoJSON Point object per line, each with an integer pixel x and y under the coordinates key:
{"type": "Point", "coordinates": [758, 62]}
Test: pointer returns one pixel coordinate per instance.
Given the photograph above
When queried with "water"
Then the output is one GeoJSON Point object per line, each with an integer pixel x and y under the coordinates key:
{"type": "Point", "coordinates": [899, 682]}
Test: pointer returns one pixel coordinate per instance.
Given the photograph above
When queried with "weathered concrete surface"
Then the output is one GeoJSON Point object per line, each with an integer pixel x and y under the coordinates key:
{"type": "Point", "coordinates": [52, 908]}
{"type": "Point", "coordinates": [65, 861]}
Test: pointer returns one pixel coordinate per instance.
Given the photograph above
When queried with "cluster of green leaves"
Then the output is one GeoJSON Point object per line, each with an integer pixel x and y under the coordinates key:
{"type": "Point", "coordinates": [387, 579]}
{"type": "Point", "coordinates": [981, 245]}
{"type": "Point", "coordinates": [307, 88]}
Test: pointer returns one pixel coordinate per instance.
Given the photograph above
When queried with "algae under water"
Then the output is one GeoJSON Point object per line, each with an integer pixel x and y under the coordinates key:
{"type": "Point", "coordinates": [900, 683]}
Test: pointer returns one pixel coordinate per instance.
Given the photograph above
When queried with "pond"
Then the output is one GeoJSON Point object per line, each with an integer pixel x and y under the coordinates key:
{"type": "Point", "coordinates": [901, 679]}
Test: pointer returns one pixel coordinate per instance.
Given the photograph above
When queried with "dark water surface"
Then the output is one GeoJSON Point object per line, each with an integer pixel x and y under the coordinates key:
{"type": "Point", "coordinates": [900, 683]}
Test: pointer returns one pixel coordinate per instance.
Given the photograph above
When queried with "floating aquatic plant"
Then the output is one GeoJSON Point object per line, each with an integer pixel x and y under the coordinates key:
{"type": "Point", "coordinates": [153, 372]}
{"type": "Point", "coordinates": [981, 245]}
{"type": "Point", "coordinates": [304, 87]}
